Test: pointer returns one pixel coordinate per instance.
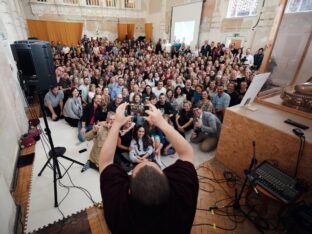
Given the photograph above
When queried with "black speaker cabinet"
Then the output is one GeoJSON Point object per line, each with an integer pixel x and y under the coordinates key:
{"type": "Point", "coordinates": [34, 60]}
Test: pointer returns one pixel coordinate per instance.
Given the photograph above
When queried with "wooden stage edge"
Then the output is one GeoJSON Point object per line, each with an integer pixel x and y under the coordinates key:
{"type": "Point", "coordinates": [274, 139]}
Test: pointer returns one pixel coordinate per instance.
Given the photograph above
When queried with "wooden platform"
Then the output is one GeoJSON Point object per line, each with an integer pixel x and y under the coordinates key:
{"type": "Point", "coordinates": [275, 140]}
{"type": "Point", "coordinates": [209, 193]}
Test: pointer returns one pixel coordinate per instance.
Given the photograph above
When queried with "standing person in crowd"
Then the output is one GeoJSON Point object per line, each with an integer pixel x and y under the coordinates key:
{"type": "Point", "coordinates": [205, 49]}
{"type": "Point", "coordinates": [258, 59]}
{"type": "Point", "coordinates": [91, 114]}
{"type": "Point", "coordinates": [147, 197]}
{"type": "Point", "coordinates": [53, 103]}
{"type": "Point", "coordinates": [158, 48]}
{"type": "Point", "coordinates": [73, 108]}
{"type": "Point", "coordinates": [206, 130]}
{"type": "Point", "coordinates": [249, 58]}
{"type": "Point", "coordinates": [220, 101]}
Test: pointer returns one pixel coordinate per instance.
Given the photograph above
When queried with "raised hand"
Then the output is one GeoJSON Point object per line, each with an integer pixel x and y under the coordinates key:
{"type": "Point", "coordinates": [154, 116]}
{"type": "Point", "coordinates": [121, 119]}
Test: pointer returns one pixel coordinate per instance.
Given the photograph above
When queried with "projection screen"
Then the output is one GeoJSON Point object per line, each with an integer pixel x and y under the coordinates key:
{"type": "Point", "coordinates": [185, 23]}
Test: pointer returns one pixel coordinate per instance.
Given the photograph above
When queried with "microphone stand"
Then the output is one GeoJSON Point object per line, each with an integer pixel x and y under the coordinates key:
{"type": "Point", "coordinates": [236, 205]}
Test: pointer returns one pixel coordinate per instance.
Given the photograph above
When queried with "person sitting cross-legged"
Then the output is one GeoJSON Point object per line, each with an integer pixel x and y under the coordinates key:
{"type": "Point", "coordinates": [206, 130]}
{"type": "Point", "coordinates": [73, 108]}
{"type": "Point", "coordinates": [123, 146]}
{"type": "Point", "coordinates": [184, 119]}
{"type": "Point", "coordinates": [149, 200]}
{"type": "Point", "coordinates": [98, 134]}
{"type": "Point", "coordinates": [141, 146]}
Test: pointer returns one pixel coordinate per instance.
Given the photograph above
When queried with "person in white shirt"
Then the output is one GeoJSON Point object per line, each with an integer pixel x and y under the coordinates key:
{"type": "Point", "coordinates": [150, 81]}
{"type": "Point", "coordinates": [168, 47]}
{"type": "Point", "coordinates": [65, 49]}
{"type": "Point", "coordinates": [249, 58]}
{"type": "Point", "coordinates": [159, 89]}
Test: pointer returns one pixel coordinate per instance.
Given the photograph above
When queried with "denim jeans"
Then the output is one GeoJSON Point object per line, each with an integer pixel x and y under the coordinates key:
{"type": "Point", "coordinates": [81, 136]}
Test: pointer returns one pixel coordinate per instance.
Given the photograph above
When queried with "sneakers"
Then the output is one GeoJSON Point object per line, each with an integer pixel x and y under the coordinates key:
{"type": "Point", "coordinates": [88, 165]}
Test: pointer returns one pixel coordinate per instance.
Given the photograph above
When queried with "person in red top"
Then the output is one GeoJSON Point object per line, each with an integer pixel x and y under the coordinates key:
{"type": "Point", "coordinates": [150, 200]}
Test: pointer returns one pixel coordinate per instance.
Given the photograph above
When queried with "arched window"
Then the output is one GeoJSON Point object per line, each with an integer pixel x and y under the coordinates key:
{"type": "Point", "coordinates": [241, 8]}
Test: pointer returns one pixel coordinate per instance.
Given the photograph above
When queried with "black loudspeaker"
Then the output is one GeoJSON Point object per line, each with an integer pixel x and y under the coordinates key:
{"type": "Point", "coordinates": [34, 61]}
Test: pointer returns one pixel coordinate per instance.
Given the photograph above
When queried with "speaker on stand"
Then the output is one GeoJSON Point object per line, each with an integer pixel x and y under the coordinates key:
{"type": "Point", "coordinates": [35, 63]}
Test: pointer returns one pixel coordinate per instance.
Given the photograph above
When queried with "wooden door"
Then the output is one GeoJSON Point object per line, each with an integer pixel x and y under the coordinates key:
{"type": "Point", "coordinates": [237, 43]}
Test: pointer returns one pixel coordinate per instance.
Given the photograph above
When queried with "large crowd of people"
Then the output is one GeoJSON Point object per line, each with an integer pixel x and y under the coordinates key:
{"type": "Point", "coordinates": [191, 88]}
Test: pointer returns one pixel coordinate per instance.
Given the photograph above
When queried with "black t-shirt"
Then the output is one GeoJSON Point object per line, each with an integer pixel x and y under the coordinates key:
{"type": "Point", "coordinates": [185, 116]}
{"type": "Point", "coordinates": [122, 216]}
{"type": "Point", "coordinates": [234, 98]}
{"type": "Point", "coordinates": [189, 93]}
{"type": "Point", "coordinates": [125, 140]}
{"type": "Point", "coordinates": [167, 107]}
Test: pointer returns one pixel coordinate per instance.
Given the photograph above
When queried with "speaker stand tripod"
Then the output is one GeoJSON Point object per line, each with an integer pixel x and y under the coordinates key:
{"type": "Point", "coordinates": [54, 154]}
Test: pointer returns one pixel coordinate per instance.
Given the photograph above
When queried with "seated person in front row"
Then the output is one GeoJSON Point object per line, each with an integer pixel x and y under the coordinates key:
{"type": "Point", "coordinates": [150, 197]}
{"type": "Point", "coordinates": [91, 114]}
{"type": "Point", "coordinates": [184, 119]}
{"type": "Point", "coordinates": [164, 106]}
{"type": "Point", "coordinates": [123, 145]}
{"type": "Point", "coordinates": [73, 108]}
{"type": "Point", "coordinates": [98, 134]}
{"type": "Point", "coordinates": [53, 103]}
{"type": "Point", "coordinates": [141, 146]}
{"type": "Point", "coordinates": [206, 131]}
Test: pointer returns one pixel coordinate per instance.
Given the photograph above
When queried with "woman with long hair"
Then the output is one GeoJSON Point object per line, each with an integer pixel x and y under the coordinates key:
{"type": "Point", "coordinates": [147, 92]}
{"type": "Point", "coordinates": [123, 144]}
{"type": "Point", "coordinates": [141, 146]}
{"type": "Point", "coordinates": [105, 98]}
{"type": "Point", "coordinates": [179, 98]}
{"type": "Point", "coordinates": [73, 108]}
{"type": "Point", "coordinates": [170, 98]}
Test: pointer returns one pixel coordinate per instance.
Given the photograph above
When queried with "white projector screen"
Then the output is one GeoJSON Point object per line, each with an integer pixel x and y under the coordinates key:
{"type": "Point", "coordinates": [185, 23]}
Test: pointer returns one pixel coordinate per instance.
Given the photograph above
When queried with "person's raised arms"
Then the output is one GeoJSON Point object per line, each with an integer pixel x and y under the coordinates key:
{"type": "Point", "coordinates": [109, 146]}
{"type": "Point", "coordinates": [182, 147]}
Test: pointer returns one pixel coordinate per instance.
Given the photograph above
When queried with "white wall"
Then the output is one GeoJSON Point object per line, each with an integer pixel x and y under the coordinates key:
{"type": "Point", "coordinates": [13, 118]}
{"type": "Point", "coordinates": [215, 26]}
{"type": "Point", "coordinates": [8, 210]}
{"type": "Point", "coordinates": [98, 21]}
{"type": "Point", "coordinates": [157, 16]}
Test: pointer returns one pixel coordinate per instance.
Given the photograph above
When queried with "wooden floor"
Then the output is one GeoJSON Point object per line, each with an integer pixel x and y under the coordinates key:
{"type": "Point", "coordinates": [205, 221]}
